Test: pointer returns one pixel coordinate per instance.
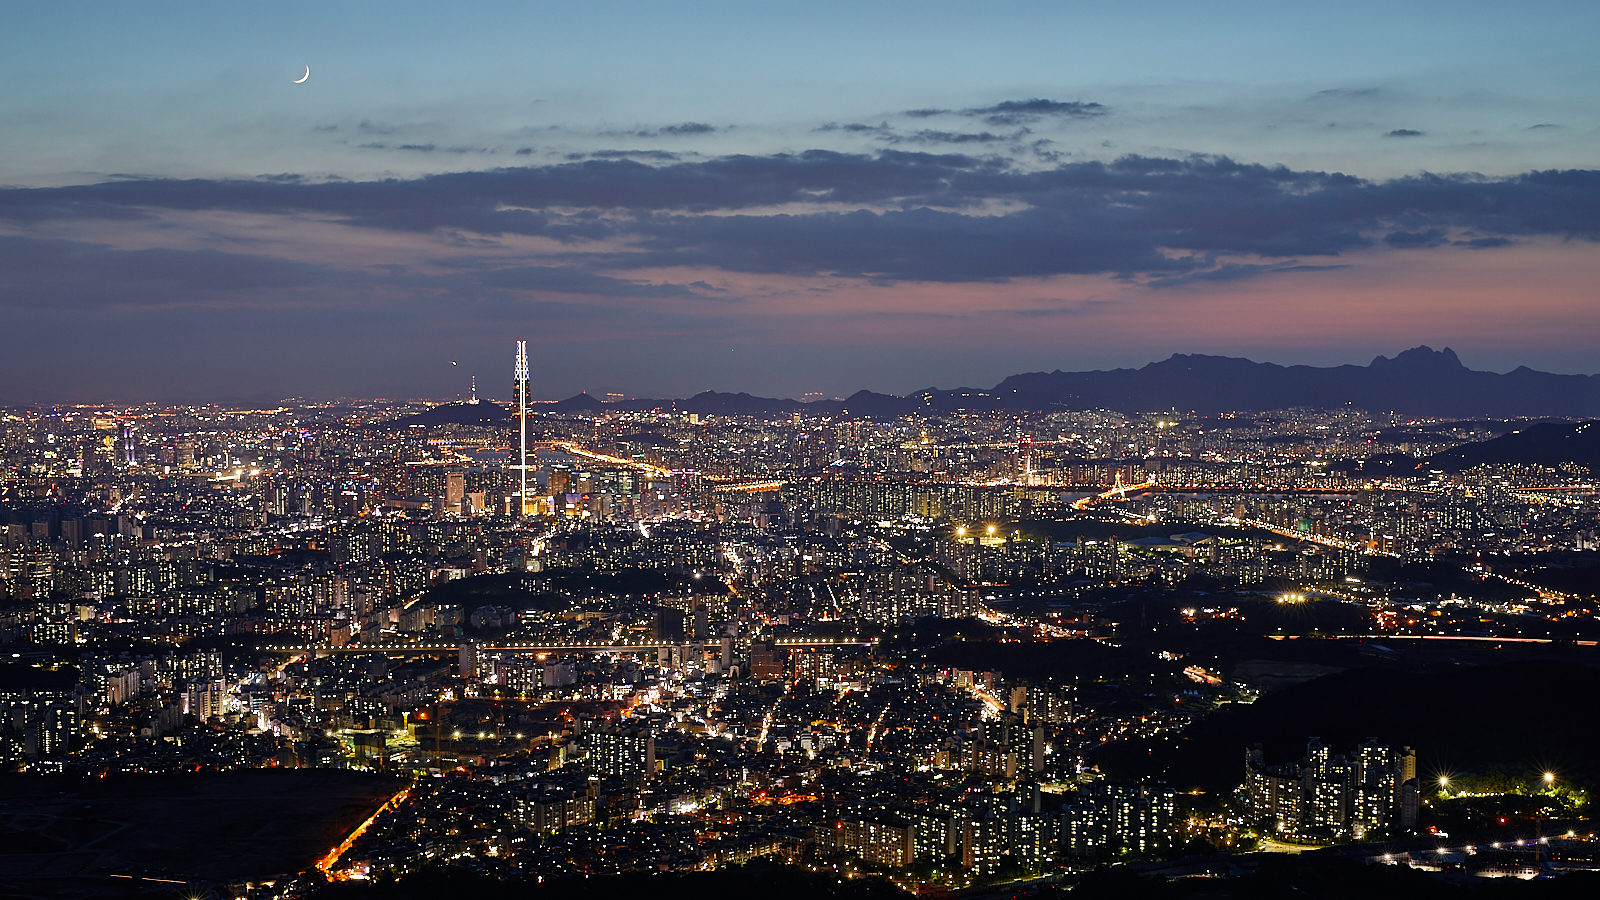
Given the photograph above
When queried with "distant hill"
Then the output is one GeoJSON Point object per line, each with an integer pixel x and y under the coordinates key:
{"type": "Point", "coordinates": [481, 413]}
{"type": "Point", "coordinates": [1419, 381]}
{"type": "Point", "coordinates": [741, 404]}
{"type": "Point", "coordinates": [582, 403]}
{"type": "Point", "coordinates": [1549, 444]}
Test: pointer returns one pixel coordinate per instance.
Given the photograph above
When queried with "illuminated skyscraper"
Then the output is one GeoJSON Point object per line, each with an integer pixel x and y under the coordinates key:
{"type": "Point", "coordinates": [520, 396]}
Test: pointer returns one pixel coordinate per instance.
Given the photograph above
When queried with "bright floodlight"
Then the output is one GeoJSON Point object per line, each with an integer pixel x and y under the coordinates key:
{"type": "Point", "coordinates": [991, 529]}
{"type": "Point", "coordinates": [1444, 781]}
{"type": "Point", "coordinates": [1549, 777]}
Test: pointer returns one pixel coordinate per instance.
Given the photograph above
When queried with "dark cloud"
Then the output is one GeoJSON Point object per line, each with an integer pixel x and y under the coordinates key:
{"type": "Point", "coordinates": [1342, 93]}
{"type": "Point", "coordinates": [1021, 112]}
{"type": "Point", "coordinates": [856, 128]}
{"type": "Point", "coordinates": [685, 129]}
{"type": "Point", "coordinates": [1543, 125]}
{"type": "Point", "coordinates": [524, 151]}
{"type": "Point", "coordinates": [1404, 133]}
{"type": "Point", "coordinates": [688, 128]}
{"type": "Point", "coordinates": [1433, 237]}
{"type": "Point", "coordinates": [657, 155]}
{"type": "Point", "coordinates": [959, 137]}
{"type": "Point", "coordinates": [498, 201]}
{"type": "Point", "coordinates": [431, 148]}
{"type": "Point", "coordinates": [1487, 243]}
{"type": "Point", "coordinates": [904, 214]}
{"type": "Point", "coordinates": [925, 113]}
{"type": "Point", "coordinates": [66, 275]}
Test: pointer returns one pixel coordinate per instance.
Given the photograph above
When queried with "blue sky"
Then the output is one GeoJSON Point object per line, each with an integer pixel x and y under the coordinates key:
{"type": "Point", "coordinates": [201, 88]}
{"type": "Point", "coordinates": [145, 93]}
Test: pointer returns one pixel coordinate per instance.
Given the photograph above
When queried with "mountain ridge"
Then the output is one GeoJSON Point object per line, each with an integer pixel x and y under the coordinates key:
{"type": "Point", "coordinates": [1420, 381]}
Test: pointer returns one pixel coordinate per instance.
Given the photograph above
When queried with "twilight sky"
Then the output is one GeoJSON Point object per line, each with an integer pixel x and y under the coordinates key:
{"type": "Point", "coordinates": [782, 198]}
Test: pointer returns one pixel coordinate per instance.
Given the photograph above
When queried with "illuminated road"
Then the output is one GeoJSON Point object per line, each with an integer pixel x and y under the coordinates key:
{"type": "Point", "coordinates": [327, 863]}
{"type": "Point", "coordinates": [766, 722]}
{"type": "Point", "coordinates": [1118, 490]}
{"type": "Point", "coordinates": [1313, 538]}
{"type": "Point", "coordinates": [424, 649]}
{"type": "Point", "coordinates": [578, 450]}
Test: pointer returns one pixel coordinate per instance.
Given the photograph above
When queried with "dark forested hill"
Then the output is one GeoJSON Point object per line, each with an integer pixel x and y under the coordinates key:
{"type": "Point", "coordinates": [1532, 716]}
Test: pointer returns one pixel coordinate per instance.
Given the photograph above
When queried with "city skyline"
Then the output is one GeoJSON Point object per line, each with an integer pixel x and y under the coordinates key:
{"type": "Point", "coordinates": [827, 450]}
{"type": "Point", "coordinates": [664, 202]}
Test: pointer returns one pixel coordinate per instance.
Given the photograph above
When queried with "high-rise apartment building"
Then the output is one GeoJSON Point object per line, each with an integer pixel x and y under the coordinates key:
{"type": "Point", "coordinates": [1345, 797]}
{"type": "Point", "coordinates": [620, 752]}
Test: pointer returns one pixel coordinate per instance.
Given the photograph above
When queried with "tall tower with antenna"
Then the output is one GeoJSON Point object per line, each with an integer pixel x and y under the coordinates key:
{"type": "Point", "coordinates": [520, 388]}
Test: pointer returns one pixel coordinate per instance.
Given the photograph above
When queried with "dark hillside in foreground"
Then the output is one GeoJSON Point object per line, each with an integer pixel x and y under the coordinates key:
{"type": "Point", "coordinates": [754, 880]}
{"type": "Point", "coordinates": [1315, 876]}
{"type": "Point", "coordinates": [251, 824]}
{"type": "Point", "coordinates": [1518, 718]}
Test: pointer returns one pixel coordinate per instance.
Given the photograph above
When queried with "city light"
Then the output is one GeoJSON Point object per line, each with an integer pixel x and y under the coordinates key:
{"type": "Point", "coordinates": [706, 638]}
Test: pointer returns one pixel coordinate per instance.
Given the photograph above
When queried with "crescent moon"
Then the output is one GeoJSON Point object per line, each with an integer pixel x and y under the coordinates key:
{"type": "Point", "coordinates": [302, 78]}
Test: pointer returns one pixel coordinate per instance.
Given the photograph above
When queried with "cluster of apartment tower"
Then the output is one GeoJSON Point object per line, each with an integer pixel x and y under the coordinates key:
{"type": "Point", "coordinates": [1355, 796]}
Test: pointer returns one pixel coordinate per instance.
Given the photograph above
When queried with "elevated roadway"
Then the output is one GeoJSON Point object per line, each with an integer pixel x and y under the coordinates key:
{"type": "Point", "coordinates": [436, 647]}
